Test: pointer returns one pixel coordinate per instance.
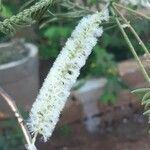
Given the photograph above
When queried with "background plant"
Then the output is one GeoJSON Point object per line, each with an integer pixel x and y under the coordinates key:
{"type": "Point", "coordinates": [69, 10]}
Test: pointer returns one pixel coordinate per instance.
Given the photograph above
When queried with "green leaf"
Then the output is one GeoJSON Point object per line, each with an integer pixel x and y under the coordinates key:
{"type": "Point", "coordinates": [55, 32]}
{"type": "Point", "coordinates": [111, 90]}
{"type": "Point", "coordinates": [141, 90]}
{"type": "Point", "coordinates": [145, 102]}
{"type": "Point", "coordinates": [146, 112]}
{"type": "Point", "coordinates": [146, 96]}
{"type": "Point", "coordinates": [6, 12]}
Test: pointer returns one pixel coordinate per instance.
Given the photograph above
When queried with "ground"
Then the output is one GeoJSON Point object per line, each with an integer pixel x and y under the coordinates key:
{"type": "Point", "coordinates": [126, 134]}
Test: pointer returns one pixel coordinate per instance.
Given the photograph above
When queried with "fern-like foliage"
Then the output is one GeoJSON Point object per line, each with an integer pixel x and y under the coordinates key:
{"type": "Point", "coordinates": [145, 93]}
{"type": "Point", "coordinates": [26, 17]}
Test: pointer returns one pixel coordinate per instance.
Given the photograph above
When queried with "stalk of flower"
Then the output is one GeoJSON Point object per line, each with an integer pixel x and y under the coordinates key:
{"type": "Point", "coordinates": [31, 147]}
{"type": "Point", "coordinates": [56, 88]}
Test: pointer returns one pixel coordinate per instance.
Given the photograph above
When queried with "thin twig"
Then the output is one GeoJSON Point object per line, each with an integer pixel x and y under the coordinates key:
{"type": "Point", "coordinates": [110, 27]}
{"type": "Point", "coordinates": [98, 6]}
{"type": "Point", "coordinates": [133, 11]}
{"type": "Point", "coordinates": [133, 31]}
{"type": "Point", "coordinates": [83, 8]}
{"type": "Point", "coordinates": [9, 100]}
{"type": "Point", "coordinates": [131, 47]}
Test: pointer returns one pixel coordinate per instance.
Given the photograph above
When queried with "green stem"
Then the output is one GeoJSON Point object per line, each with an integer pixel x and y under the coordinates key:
{"type": "Point", "coordinates": [111, 27]}
{"type": "Point", "coordinates": [81, 7]}
{"type": "Point", "coordinates": [133, 11]}
{"type": "Point", "coordinates": [0, 2]}
{"type": "Point", "coordinates": [131, 47]}
{"type": "Point", "coordinates": [134, 32]}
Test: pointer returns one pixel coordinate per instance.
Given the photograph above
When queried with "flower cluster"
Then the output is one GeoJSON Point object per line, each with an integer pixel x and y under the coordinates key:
{"type": "Point", "coordinates": [56, 88]}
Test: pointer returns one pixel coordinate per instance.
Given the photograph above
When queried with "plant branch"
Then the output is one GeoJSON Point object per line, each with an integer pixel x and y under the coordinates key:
{"type": "Point", "coordinates": [76, 5]}
{"type": "Point", "coordinates": [9, 100]}
{"type": "Point", "coordinates": [131, 46]}
{"type": "Point", "coordinates": [133, 11]}
{"type": "Point", "coordinates": [133, 31]}
{"type": "Point", "coordinates": [26, 17]}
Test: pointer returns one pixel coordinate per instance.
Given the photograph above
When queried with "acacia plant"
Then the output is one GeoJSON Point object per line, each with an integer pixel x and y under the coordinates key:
{"type": "Point", "coordinates": [56, 88]}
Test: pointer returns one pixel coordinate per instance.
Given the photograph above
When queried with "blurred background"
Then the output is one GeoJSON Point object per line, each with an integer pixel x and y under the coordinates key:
{"type": "Point", "coordinates": [101, 113]}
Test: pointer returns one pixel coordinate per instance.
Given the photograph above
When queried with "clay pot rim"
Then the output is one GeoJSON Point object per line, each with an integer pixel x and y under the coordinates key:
{"type": "Point", "coordinates": [33, 50]}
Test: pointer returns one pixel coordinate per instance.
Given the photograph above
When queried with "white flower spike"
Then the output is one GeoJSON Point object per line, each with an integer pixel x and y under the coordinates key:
{"type": "Point", "coordinates": [56, 88]}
